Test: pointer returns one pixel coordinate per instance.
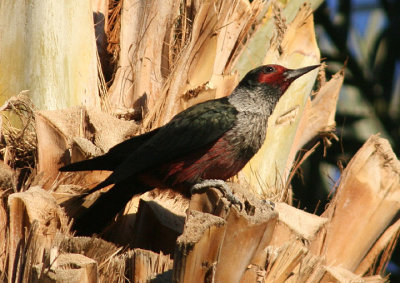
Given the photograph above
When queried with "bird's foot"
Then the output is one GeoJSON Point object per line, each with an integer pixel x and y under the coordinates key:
{"type": "Point", "coordinates": [220, 185]}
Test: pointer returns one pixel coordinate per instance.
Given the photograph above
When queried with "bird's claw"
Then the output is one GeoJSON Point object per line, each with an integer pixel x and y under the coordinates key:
{"type": "Point", "coordinates": [268, 202]}
{"type": "Point", "coordinates": [233, 199]}
{"type": "Point", "coordinates": [222, 186]}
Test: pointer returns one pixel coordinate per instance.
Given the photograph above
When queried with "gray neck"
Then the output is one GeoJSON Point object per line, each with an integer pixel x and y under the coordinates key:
{"type": "Point", "coordinates": [254, 106]}
{"type": "Point", "coordinates": [258, 99]}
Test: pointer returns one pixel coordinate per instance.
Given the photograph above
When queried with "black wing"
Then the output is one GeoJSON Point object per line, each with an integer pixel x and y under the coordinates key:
{"type": "Point", "coordinates": [113, 158]}
{"type": "Point", "coordinates": [188, 131]}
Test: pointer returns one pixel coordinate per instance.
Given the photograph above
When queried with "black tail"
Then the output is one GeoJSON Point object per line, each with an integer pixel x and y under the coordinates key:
{"type": "Point", "coordinates": [97, 163]}
{"type": "Point", "coordinates": [106, 207]}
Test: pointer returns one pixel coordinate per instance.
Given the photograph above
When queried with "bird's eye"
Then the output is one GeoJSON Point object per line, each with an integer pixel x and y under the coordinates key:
{"type": "Point", "coordinates": [268, 69]}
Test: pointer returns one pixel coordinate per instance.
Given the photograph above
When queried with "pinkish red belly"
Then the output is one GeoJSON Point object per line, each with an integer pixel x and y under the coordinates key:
{"type": "Point", "coordinates": [216, 161]}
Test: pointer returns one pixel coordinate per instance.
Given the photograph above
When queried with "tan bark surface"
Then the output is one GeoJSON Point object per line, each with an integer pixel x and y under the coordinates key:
{"type": "Point", "coordinates": [168, 56]}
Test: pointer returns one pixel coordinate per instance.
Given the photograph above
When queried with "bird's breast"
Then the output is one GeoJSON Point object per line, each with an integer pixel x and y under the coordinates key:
{"type": "Point", "coordinates": [248, 135]}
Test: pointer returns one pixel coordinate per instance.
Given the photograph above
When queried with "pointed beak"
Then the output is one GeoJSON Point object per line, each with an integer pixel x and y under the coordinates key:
{"type": "Point", "coordinates": [291, 75]}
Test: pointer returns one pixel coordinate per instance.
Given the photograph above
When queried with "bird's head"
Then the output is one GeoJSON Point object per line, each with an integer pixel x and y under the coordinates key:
{"type": "Point", "coordinates": [275, 76]}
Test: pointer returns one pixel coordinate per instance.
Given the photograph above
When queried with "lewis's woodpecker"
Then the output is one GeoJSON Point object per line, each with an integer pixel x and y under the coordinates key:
{"type": "Point", "coordinates": [200, 147]}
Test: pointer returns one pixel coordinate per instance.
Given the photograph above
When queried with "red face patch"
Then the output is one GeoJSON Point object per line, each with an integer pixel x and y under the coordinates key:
{"type": "Point", "coordinates": [274, 75]}
{"type": "Point", "coordinates": [271, 74]}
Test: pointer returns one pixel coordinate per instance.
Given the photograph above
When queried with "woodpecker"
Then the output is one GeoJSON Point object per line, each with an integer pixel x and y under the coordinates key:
{"type": "Point", "coordinates": [200, 147]}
